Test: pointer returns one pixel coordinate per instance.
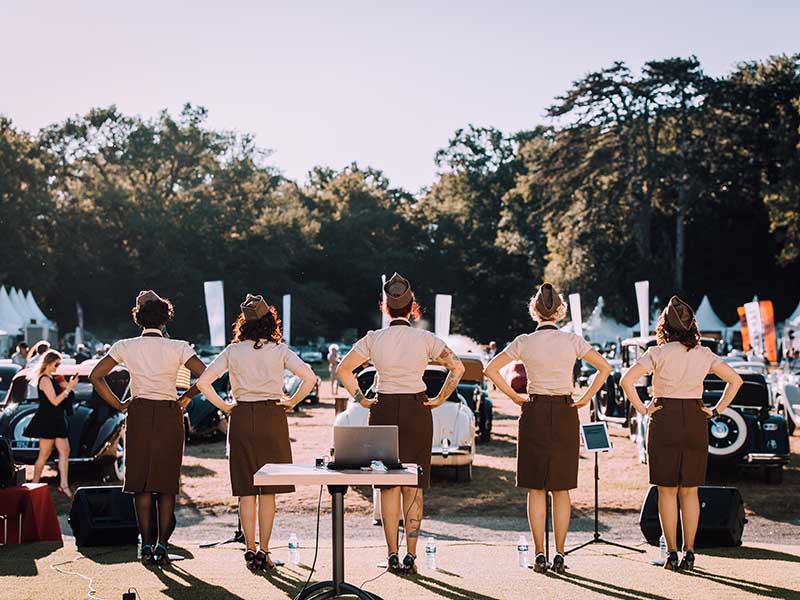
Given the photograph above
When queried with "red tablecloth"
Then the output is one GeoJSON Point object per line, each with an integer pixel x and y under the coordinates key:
{"type": "Point", "coordinates": [39, 521]}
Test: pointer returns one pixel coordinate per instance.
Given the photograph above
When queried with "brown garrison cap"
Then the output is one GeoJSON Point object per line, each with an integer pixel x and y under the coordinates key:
{"type": "Point", "coordinates": [254, 307]}
{"type": "Point", "coordinates": [679, 314]}
{"type": "Point", "coordinates": [398, 292]}
{"type": "Point", "coordinates": [146, 296]}
{"type": "Point", "coordinates": [547, 300]}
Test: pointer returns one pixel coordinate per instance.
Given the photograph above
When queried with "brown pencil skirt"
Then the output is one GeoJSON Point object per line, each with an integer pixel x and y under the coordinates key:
{"type": "Point", "coordinates": [258, 433]}
{"type": "Point", "coordinates": [415, 425]}
{"type": "Point", "coordinates": [548, 444]}
{"type": "Point", "coordinates": [153, 446]}
{"type": "Point", "coordinates": [677, 443]}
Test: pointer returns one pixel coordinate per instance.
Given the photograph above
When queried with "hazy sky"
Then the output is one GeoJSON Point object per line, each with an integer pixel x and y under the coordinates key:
{"type": "Point", "coordinates": [384, 84]}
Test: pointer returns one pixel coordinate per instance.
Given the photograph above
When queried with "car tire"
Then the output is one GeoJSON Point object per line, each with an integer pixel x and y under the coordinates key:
{"type": "Point", "coordinates": [464, 473]}
{"type": "Point", "coordinates": [773, 475]}
{"type": "Point", "coordinates": [114, 469]}
{"type": "Point", "coordinates": [727, 436]}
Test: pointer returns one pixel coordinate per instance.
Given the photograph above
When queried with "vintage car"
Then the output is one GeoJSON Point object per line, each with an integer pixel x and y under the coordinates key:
{"type": "Point", "coordinates": [96, 431]}
{"type": "Point", "coordinates": [291, 382]}
{"type": "Point", "coordinates": [787, 398]}
{"type": "Point", "coordinates": [203, 420]}
{"type": "Point", "coordinates": [474, 389]}
{"type": "Point", "coordinates": [746, 434]}
{"type": "Point", "coordinates": [453, 422]}
{"type": "Point", "coordinates": [7, 372]}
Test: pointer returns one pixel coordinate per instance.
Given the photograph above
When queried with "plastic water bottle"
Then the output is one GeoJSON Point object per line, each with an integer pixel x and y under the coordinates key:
{"type": "Point", "coordinates": [430, 553]}
{"type": "Point", "coordinates": [139, 548]}
{"type": "Point", "coordinates": [294, 549]}
{"type": "Point", "coordinates": [662, 548]}
{"type": "Point", "coordinates": [522, 551]}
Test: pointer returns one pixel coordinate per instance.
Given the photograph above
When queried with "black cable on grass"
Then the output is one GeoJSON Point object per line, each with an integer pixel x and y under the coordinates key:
{"type": "Point", "coordinates": [316, 546]}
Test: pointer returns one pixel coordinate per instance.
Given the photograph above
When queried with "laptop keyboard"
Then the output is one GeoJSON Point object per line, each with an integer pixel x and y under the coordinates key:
{"type": "Point", "coordinates": [340, 466]}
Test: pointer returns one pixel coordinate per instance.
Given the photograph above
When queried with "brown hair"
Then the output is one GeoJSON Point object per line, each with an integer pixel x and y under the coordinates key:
{"type": "Point", "coordinates": [153, 314]}
{"type": "Point", "coordinates": [267, 328]}
{"type": "Point", "coordinates": [412, 309]}
{"type": "Point", "coordinates": [48, 359]}
{"type": "Point", "coordinates": [665, 333]}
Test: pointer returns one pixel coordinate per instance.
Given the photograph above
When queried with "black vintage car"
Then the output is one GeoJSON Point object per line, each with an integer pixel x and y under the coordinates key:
{"type": "Point", "coordinates": [474, 389]}
{"type": "Point", "coordinates": [96, 431]}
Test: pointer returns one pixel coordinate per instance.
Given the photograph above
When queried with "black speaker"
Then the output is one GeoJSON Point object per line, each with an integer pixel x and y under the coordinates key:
{"type": "Point", "coordinates": [721, 518]}
{"type": "Point", "coordinates": [103, 516]}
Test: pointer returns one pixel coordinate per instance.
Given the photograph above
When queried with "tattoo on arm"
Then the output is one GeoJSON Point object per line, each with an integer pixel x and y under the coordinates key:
{"type": "Point", "coordinates": [359, 396]}
{"type": "Point", "coordinates": [450, 384]}
{"type": "Point", "coordinates": [452, 362]}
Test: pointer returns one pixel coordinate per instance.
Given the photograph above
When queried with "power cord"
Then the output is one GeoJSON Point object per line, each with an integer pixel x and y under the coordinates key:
{"type": "Point", "coordinates": [399, 543]}
{"type": "Point", "coordinates": [91, 593]}
{"type": "Point", "coordinates": [316, 547]}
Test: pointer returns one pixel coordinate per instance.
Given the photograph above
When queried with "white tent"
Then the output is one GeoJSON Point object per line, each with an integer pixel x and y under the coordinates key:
{"type": "Point", "coordinates": [600, 328]}
{"type": "Point", "coordinates": [18, 300]}
{"type": "Point", "coordinates": [10, 319]}
{"type": "Point", "coordinates": [35, 310]}
{"type": "Point", "coordinates": [793, 320]}
{"type": "Point", "coordinates": [707, 319]}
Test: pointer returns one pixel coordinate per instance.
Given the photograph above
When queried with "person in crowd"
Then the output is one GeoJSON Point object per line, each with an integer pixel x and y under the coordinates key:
{"type": "Point", "coordinates": [548, 443]}
{"type": "Point", "coordinates": [50, 424]}
{"type": "Point", "coordinates": [400, 354]}
{"type": "Point", "coordinates": [154, 430]}
{"type": "Point", "coordinates": [258, 432]}
{"type": "Point", "coordinates": [333, 364]}
{"type": "Point", "coordinates": [677, 439]}
{"type": "Point", "coordinates": [491, 350]}
{"type": "Point", "coordinates": [82, 354]}
{"type": "Point", "coordinates": [20, 357]}
{"type": "Point", "coordinates": [36, 352]}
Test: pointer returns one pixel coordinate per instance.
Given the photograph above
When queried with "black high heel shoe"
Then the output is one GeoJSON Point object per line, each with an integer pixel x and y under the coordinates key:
{"type": "Point", "coordinates": [250, 560]}
{"type": "Point", "coordinates": [409, 564]}
{"type": "Point", "coordinates": [160, 556]}
{"type": "Point", "coordinates": [558, 564]}
{"type": "Point", "coordinates": [540, 563]}
{"type": "Point", "coordinates": [687, 562]}
{"type": "Point", "coordinates": [671, 564]}
{"type": "Point", "coordinates": [147, 555]}
{"type": "Point", "coordinates": [263, 562]}
{"type": "Point", "coordinates": [393, 563]}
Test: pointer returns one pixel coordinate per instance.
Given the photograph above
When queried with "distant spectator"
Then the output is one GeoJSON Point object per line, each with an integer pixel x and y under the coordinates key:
{"type": "Point", "coordinates": [333, 364]}
{"type": "Point", "coordinates": [82, 354]}
{"type": "Point", "coordinates": [37, 351]}
{"type": "Point", "coordinates": [20, 357]}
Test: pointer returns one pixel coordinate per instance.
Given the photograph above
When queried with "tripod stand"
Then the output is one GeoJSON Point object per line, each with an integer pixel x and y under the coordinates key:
{"type": "Point", "coordinates": [597, 538]}
{"type": "Point", "coordinates": [237, 538]}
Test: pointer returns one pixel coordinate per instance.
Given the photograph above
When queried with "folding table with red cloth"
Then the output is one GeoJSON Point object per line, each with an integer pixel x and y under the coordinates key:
{"type": "Point", "coordinates": [32, 502]}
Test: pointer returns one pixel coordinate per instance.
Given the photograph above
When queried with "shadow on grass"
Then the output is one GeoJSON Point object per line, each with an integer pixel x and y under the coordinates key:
{"type": "Point", "coordinates": [764, 590]}
{"type": "Point", "coordinates": [20, 561]}
{"type": "Point", "coordinates": [447, 590]}
{"type": "Point", "coordinates": [607, 590]}
{"type": "Point", "coordinates": [748, 553]}
{"type": "Point", "coordinates": [182, 585]}
{"type": "Point", "coordinates": [196, 471]}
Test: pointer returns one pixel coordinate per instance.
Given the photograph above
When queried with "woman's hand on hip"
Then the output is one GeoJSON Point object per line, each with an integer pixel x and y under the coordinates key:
{"type": "Point", "coordinates": [520, 400]}
{"type": "Point", "coordinates": [585, 399]}
{"type": "Point", "coordinates": [652, 408]}
{"type": "Point", "coordinates": [434, 402]}
{"type": "Point", "coordinates": [227, 407]}
{"type": "Point", "coordinates": [708, 412]}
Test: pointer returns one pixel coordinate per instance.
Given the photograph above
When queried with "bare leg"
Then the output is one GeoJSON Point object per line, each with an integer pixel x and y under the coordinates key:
{"type": "Point", "coordinates": [390, 514]}
{"type": "Point", "coordinates": [266, 517]}
{"type": "Point", "coordinates": [62, 446]}
{"type": "Point", "coordinates": [668, 513]}
{"type": "Point", "coordinates": [412, 516]}
{"type": "Point", "coordinates": [247, 516]}
{"type": "Point", "coordinates": [45, 450]}
{"type": "Point", "coordinates": [562, 509]}
{"type": "Point", "coordinates": [690, 515]}
{"type": "Point", "coordinates": [537, 513]}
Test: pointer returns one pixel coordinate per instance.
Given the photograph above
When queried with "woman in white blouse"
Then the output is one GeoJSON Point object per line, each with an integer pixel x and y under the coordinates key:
{"type": "Point", "coordinates": [548, 443]}
{"type": "Point", "coordinates": [154, 425]}
{"type": "Point", "coordinates": [259, 430]}
{"type": "Point", "coordinates": [677, 438]}
{"type": "Point", "coordinates": [400, 354]}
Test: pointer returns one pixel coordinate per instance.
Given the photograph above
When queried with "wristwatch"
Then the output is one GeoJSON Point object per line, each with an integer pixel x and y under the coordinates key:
{"type": "Point", "coordinates": [714, 413]}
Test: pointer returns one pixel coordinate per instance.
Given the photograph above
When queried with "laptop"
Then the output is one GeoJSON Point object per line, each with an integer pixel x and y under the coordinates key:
{"type": "Point", "coordinates": [357, 447]}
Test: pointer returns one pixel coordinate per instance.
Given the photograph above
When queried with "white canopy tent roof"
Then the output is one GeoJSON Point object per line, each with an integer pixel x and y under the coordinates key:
{"type": "Point", "coordinates": [793, 320]}
{"type": "Point", "coordinates": [18, 300]}
{"type": "Point", "coordinates": [35, 310]}
{"type": "Point", "coordinates": [707, 319]}
{"type": "Point", "coordinates": [10, 319]}
{"type": "Point", "coordinates": [600, 328]}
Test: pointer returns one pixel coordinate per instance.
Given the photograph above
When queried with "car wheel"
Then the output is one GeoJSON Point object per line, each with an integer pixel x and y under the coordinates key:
{"type": "Point", "coordinates": [774, 475]}
{"type": "Point", "coordinates": [464, 473]}
{"type": "Point", "coordinates": [114, 469]}
{"type": "Point", "coordinates": [727, 435]}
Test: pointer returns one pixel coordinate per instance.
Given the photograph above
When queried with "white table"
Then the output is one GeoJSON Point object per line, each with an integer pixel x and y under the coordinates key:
{"type": "Point", "coordinates": [337, 482]}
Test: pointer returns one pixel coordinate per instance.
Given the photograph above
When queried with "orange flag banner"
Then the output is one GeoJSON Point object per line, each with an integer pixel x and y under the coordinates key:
{"type": "Point", "coordinates": [745, 332]}
{"type": "Point", "coordinates": [768, 322]}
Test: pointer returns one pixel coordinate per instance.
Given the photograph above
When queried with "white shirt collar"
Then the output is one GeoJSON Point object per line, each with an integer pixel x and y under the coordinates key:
{"type": "Point", "coordinates": [152, 330]}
